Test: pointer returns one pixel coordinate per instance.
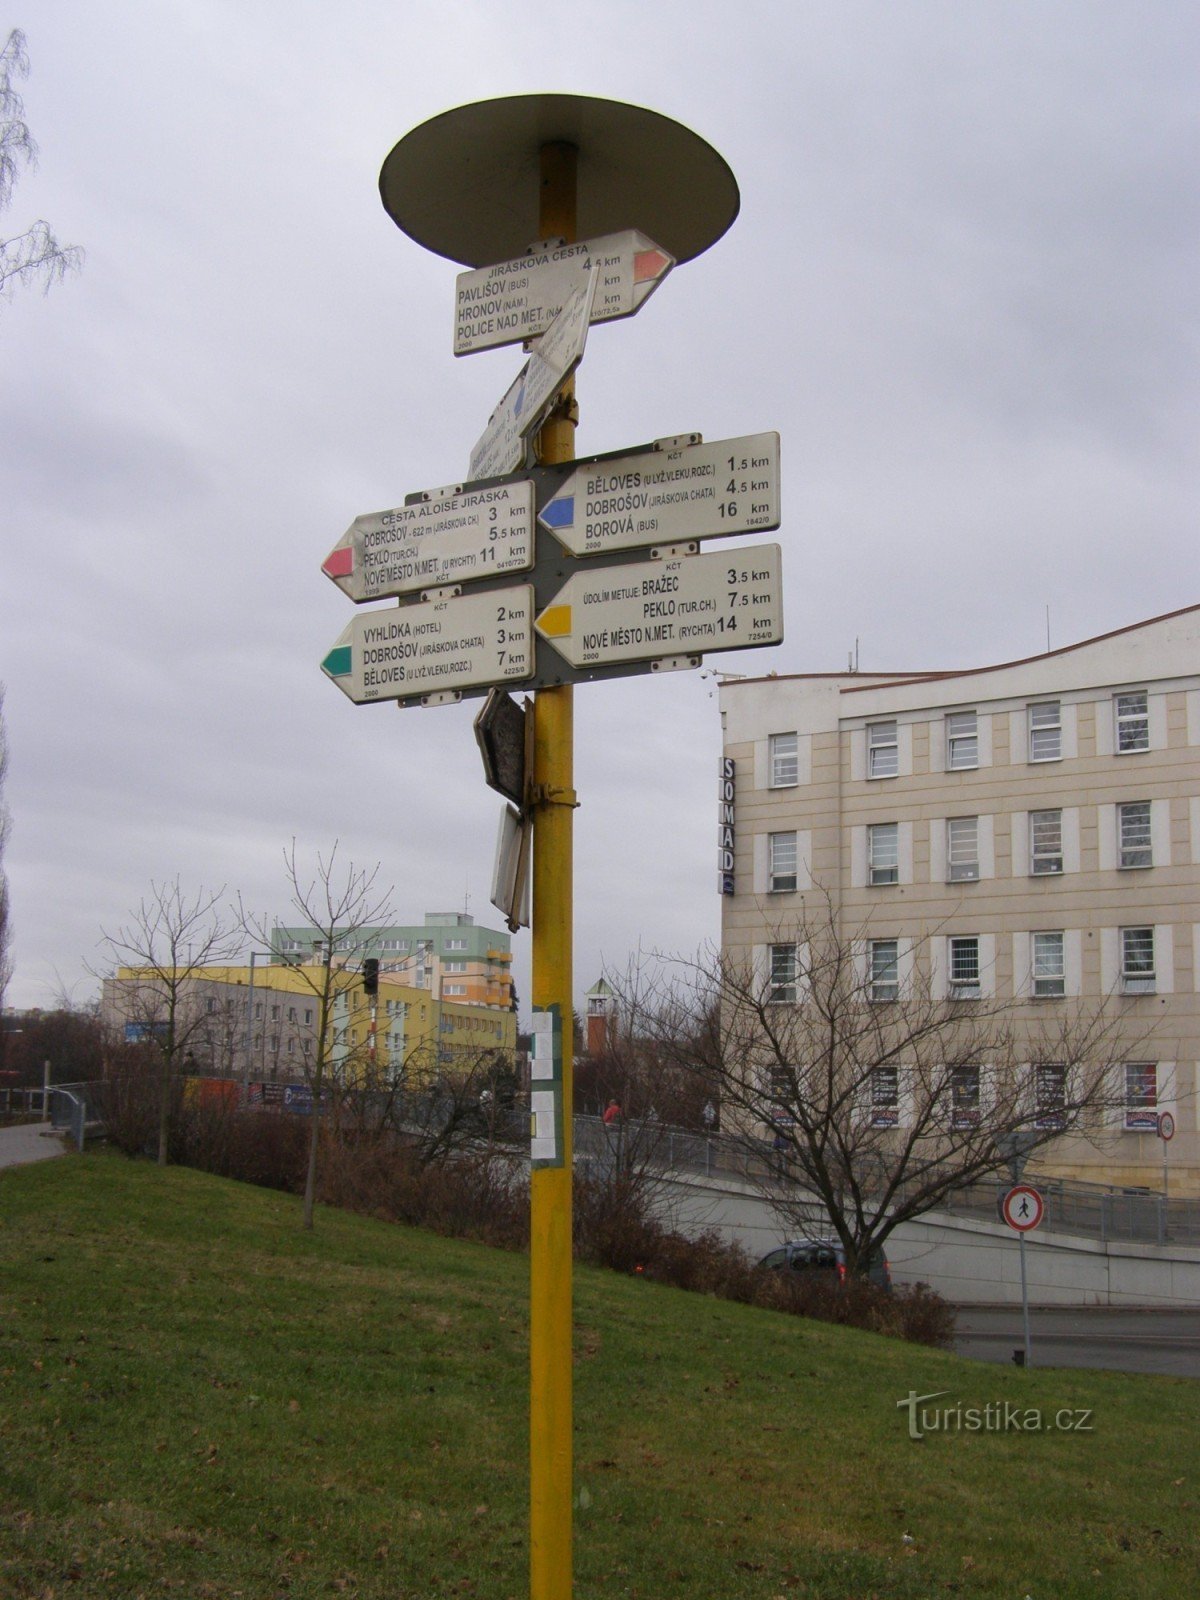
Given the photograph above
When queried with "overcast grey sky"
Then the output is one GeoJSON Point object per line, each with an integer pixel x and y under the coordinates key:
{"type": "Point", "coordinates": [962, 287]}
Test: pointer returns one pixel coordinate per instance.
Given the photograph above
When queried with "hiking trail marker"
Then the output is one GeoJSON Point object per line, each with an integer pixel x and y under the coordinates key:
{"type": "Point", "coordinates": [516, 300]}
{"type": "Point", "coordinates": [681, 489]}
{"type": "Point", "coordinates": [676, 605]}
{"type": "Point", "coordinates": [436, 538]}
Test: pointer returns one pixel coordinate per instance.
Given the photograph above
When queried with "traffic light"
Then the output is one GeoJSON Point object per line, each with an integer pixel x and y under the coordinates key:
{"type": "Point", "coordinates": [370, 975]}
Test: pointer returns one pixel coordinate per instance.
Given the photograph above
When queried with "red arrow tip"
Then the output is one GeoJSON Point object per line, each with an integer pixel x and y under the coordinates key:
{"type": "Point", "coordinates": [339, 563]}
{"type": "Point", "coordinates": [650, 264]}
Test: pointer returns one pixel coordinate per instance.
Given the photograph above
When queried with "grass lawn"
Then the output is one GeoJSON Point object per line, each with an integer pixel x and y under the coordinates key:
{"type": "Point", "coordinates": [199, 1399]}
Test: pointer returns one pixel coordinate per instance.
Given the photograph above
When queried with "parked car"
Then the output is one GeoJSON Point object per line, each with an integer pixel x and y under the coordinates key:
{"type": "Point", "coordinates": [824, 1255]}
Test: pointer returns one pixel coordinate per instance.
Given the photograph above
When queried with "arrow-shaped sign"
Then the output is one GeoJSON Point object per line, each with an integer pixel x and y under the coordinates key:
{"type": "Point", "coordinates": [443, 537]}
{"type": "Point", "coordinates": [552, 360]}
{"type": "Point", "coordinates": [682, 605]}
{"type": "Point", "coordinates": [434, 646]}
{"type": "Point", "coordinates": [517, 300]}
{"type": "Point", "coordinates": [668, 495]}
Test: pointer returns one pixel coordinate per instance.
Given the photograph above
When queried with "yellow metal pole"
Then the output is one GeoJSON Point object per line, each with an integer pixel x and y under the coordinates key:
{"type": "Point", "coordinates": [550, 1355]}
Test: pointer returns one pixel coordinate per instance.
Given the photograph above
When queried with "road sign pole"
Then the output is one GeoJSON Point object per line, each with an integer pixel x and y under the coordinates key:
{"type": "Point", "coordinates": [550, 1353]}
{"type": "Point", "coordinates": [1025, 1306]}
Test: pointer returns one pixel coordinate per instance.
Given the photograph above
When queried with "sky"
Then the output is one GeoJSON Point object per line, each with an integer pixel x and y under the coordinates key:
{"type": "Point", "coordinates": [962, 287]}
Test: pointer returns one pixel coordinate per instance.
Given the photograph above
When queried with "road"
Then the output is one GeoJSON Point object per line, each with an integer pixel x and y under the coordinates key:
{"type": "Point", "coordinates": [1164, 1341]}
{"type": "Point", "coordinates": [29, 1141]}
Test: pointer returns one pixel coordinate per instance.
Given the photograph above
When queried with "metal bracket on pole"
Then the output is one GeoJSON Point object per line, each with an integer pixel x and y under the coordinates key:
{"type": "Point", "coordinates": [544, 795]}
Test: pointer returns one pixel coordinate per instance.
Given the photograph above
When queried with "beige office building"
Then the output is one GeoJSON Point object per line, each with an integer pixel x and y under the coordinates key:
{"type": "Point", "coordinates": [1028, 831]}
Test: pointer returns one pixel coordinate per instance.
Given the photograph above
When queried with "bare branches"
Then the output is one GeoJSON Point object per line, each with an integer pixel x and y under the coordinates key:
{"type": "Point", "coordinates": [880, 1093]}
{"type": "Point", "coordinates": [336, 902]}
{"type": "Point", "coordinates": [35, 255]}
{"type": "Point", "coordinates": [159, 953]}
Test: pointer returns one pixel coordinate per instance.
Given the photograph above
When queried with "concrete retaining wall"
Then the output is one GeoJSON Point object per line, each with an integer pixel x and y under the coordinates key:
{"type": "Point", "coordinates": [968, 1261]}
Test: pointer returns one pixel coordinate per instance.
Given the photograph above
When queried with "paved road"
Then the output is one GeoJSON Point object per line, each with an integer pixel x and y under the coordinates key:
{"type": "Point", "coordinates": [29, 1141]}
{"type": "Point", "coordinates": [1089, 1336]}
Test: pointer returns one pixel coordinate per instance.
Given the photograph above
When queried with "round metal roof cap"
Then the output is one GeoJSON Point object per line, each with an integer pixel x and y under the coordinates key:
{"type": "Point", "coordinates": [466, 184]}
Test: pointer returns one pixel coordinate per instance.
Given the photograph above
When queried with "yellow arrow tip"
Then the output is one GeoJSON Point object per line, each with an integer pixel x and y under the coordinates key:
{"type": "Point", "coordinates": [555, 622]}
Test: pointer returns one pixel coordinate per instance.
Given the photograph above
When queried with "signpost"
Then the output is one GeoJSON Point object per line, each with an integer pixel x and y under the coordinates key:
{"type": "Point", "coordinates": [501, 447]}
{"type": "Point", "coordinates": [1166, 1132]}
{"type": "Point", "coordinates": [435, 647]}
{"type": "Point", "coordinates": [1023, 1209]}
{"type": "Point", "coordinates": [434, 539]}
{"type": "Point", "coordinates": [667, 608]}
{"type": "Point", "coordinates": [515, 300]}
{"type": "Point", "coordinates": [476, 184]}
{"type": "Point", "coordinates": [679, 490]}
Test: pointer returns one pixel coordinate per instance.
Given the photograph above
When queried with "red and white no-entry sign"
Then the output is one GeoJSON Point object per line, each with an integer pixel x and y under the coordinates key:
{"type": "Point", "coordinates": [1022, 1208]}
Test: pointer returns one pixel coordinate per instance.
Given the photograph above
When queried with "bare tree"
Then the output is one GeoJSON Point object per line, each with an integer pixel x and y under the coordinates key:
{"type": "Point", "coordinates": [166, 945]}
{"type": "Point", "coordinates": [34, 256]}
{"type": "Point", "coordinates": [879, 1096]}
{"type": "Point", "coordinates": [337, 902]}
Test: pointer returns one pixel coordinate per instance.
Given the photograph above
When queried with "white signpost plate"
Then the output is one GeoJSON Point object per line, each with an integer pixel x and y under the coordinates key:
{"type": "Point", "coordinates": [446, 537]}
{"type": "Point", "coordinates": [552, 360]}
{"type": "Point", "coordinates": [668, 496]}
{"type": "Point", "coordinates": [517, 300]}
{"type": "Point", "coordinates": [435, 646]}
{"type": "Point", "coordinates": [676, 606]}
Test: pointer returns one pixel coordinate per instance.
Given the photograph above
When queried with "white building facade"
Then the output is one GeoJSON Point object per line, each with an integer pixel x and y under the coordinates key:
{"type": "Point", "coordinates": [1031, 831]}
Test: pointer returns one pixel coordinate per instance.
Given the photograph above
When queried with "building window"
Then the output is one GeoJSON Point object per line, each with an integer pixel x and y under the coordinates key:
{"type": "Point", "coordinates": [291, 1013]}
{"type": "Point", "coordinates": [291, 1046]}
{"type": "Point", "coordinates": [883, 852]}
{"type": "Point", "coordinates": [1045, 842]}
{"type": "Point", "coordinates": [781, 861]}
{"type": "Point", "coordinates": [455, 966]}
{"type": "Point", "coordinates": [1141, 1097]}
{"type": "Point", "coordinates": [1045, 731]}
{"type": "Point", "coordinates": [1050, 1094]}
{"type": "Point", "coordinates": [1049, 981]}
{"type": "Point", "coordinates": [885, 969]}
{"type": "Point", "coordinates": [962, 849]}
{"type": "Point", "coordinates": [1137, 960]}
{"type": "Point", "coordinates": [210, 1006]}
{"type": "Point", "coordinates": [258, 1010]}
{"type": "Point", "coordinates": [964, 1097]}
{"type": "Point", "coordinates": [962, 741]}
{"type": "Point", "coordinates": [964, 968]}
{"type": "Point", "coordinates": [1133, 834]}
{"type": "Point", "coordinates": [782, 987]}
{"type": "Point", "coordinates": [1133, 722]}
{"type": "Point", "coordinates": [885, 1097]}
{"type": "Point", "coordinates": [784, 755]}
{"type": "Point", "coordinates": [274, 1013]}
{"type": "Point", "coordinates": [883, 750]}
{"type": "Point", "coordinates": [456, 988]}
{"type": "Point", "coordinates": [456, 944]}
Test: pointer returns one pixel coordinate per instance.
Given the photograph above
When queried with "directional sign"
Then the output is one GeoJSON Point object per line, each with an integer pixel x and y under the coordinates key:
{"type": "Point", "coordinates": [552, 360]}
{"type": "Point", "coordinates": [669, 607]}
{"type": "Point", "coordinates": [518, 300]}
{"type": "Point", "coordinates": [435, 646]}
{"type": "Point", "coordinates": [439, 538]}
{"type": "Point", "coordinates": [667, 495]}
{"type": "Point", "coordinates": [1022, 1208]}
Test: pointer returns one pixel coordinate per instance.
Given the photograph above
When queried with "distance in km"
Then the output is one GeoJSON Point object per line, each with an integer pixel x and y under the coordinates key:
{"type": "Point", "coordinates": [435, 541]}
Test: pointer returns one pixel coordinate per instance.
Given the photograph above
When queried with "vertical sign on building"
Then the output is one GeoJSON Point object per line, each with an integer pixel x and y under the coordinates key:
{"type": "Point", "coordinates": [725, 828]}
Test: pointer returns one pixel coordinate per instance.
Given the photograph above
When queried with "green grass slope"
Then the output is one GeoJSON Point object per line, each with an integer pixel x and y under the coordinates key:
{"type": "Point", "coordinates": [199, 1399]}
